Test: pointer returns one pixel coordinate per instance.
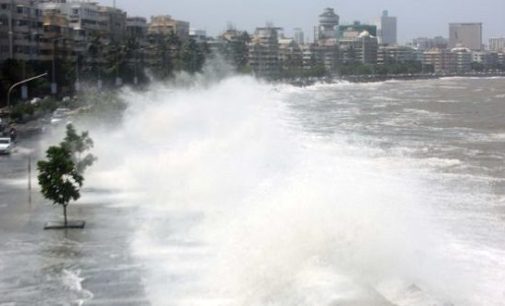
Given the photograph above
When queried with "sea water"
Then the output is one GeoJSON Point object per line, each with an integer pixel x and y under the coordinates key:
{"type": "Point", "coordinates": [250, 193]}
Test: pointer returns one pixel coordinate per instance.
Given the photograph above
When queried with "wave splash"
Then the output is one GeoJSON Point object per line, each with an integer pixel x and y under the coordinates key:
{"type": "Point", "coordinates": [239, 206]}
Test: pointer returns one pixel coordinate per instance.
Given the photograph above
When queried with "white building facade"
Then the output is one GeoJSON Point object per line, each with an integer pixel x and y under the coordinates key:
{"type": "Point", "coordinates": [387, 29]}
{"type": "Point", "coordinates": [468, 35]}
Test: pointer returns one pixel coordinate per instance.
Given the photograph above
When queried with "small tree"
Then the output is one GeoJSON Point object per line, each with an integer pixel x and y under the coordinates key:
{"type": "Point", "coordinates": [77, 145]}
{"type": "Point", "coordinates": [60, 176]}
{"type": "Point", "coordinates": [59, 179]}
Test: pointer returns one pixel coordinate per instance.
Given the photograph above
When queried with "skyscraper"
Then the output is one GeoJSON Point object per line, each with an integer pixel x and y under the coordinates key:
{"type": "Point", "coordinates": [468, 35]}
{"type": "Point", "coordinates": [387, 29]}
{"type": "Point", "coordinates": [298, 36]}
{"type": "Point", "coordinates": [328, 22]}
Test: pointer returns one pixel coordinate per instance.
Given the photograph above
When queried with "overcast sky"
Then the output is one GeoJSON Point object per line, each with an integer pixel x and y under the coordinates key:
{"type": "Point", "coordinates": [415, 17]}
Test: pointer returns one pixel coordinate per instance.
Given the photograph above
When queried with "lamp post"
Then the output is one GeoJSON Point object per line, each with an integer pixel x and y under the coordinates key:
{"type": "Point", "coordinates": [20, 83]}
{"type": "Point", "coordinates": [135, 77]}
{"type": "Point", "coordinates": [54, 85]}
{"type": "Point", "coordinates": [137, 53]}
{"type": "Point", "coordinates": [10, 31]}
{"type": "Point", "coordinates": [77, 83]}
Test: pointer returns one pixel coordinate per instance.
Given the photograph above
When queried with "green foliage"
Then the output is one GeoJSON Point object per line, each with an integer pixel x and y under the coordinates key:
{"type": "Point", "coordinates": [22, 111]}
{"type": "Point", "coordinates": [315, 71]}
{"type": "Point", "coordinates": [355, 69]}
{"type": "Point", "coordinates": [115, 58]}
{"type": "Point", "coordinates": [78, 144]}
{"type": "Point", "coordinates": [477, 66]}
{"type": "Point", "coordinates": [385, 69]}
{"type": "Point", "coordinates": [27, 111]}
{"type": "Point", "coordinates": [58, 177]}
{"type": "Point", "coordinates": [191, 56]}
{"type": "Point", "coordinates": [170, 54]}
{"type": "Point", "coordinates": [236, 52]}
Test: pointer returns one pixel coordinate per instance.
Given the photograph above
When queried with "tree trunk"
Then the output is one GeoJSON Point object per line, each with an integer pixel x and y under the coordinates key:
{"type": "Point", "coordinates": [65, 215]}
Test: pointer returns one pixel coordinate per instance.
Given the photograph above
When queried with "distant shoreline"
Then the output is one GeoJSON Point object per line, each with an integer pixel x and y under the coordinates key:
{"type": "Point", "coordinates": [381, 78]}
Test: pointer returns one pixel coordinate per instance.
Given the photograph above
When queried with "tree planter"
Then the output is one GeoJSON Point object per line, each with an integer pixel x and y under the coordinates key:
{"type": "Point", "coordinates": [59, 225]}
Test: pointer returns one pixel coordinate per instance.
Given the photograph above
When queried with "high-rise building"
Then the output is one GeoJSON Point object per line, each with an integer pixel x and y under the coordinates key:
{"type": "Point", "coordinates": [328, 25]}
{"type": "Point", "coordinates": [468, 35]}
{"type": "Point", "coordinates": [298, 36]}
{"type": "Point", "coordinates": [497, 44]}
{"type": "Point", "coordinates": [387, 29]}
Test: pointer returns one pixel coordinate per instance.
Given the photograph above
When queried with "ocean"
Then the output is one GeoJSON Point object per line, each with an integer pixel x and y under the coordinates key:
{"type": "Point", "coordinates": [242, 192]}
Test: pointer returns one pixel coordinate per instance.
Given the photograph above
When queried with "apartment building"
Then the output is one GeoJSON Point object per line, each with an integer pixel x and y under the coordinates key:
{"type": "Point", "coordinates": [497, 44]}
{"type": "Point", "coordinates": [442, 60]}
{"type": "Point", "coordinates": [358, 49]}
{"type": "Point", "coordinates": [462, 59]}
{"type": "Point", "coordinates": [425, 43]}
{"type": "Point", "coordinates": [113, 22]}
{"type": "Point", "coordinates": [165, 25]}
{"type": "Point", "coordinates": [395, 54]}
{"type": "Point", "coordinates": [264, 52]}
{"type": "Point", "coordinates": [290, 55]}
{"type": "Point", "coordinates": [58, 39]}
{"type": "Point", "coordinates": [136, 28]}
{"type": "Point", "coordinates": [20, 29]}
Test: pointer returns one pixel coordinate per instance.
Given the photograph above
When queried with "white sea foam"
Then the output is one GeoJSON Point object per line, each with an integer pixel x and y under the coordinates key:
{"type": "Point", "coordinates": [72, 281]}
{"type": "Point", "coordinates": [240, 208]}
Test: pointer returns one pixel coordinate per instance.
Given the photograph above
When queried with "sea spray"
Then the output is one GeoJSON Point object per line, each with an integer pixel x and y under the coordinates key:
{"type": "Point", "coordinates": [238, 206]}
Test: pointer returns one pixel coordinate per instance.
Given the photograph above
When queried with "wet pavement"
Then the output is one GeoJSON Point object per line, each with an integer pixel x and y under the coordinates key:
{"type": "Point", "coordinates": [66, 267]}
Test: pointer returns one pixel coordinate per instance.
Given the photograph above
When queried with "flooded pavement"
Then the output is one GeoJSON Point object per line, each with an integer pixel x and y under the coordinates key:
{"type": "Point", "coordinates": [91, 266]}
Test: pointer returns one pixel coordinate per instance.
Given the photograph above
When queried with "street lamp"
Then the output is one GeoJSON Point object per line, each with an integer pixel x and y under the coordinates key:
{"type": "Point", "coordinates": [135, 78]}
{"type": "Point", "coordinates": [54, 86]}
{"type": "Point", "coordinates": [77, 83]}
{"type": "Point", "coordinates": [11, 31]}
{"type": "Point", "coordinates": [19, 83]}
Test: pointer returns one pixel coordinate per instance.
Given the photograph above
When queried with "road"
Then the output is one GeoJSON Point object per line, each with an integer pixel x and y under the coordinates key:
{"type": "Point", "coordinates": [74, 267]}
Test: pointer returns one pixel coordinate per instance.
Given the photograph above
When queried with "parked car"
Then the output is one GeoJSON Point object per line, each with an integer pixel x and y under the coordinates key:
{"type": "Point", "coordinates": [60, 114]}
{"type": "Point", "coordinates": [5, 145]}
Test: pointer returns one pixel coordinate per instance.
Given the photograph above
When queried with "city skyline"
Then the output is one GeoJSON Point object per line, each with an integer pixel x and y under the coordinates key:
{"type": "Point", "coordinates": [413, 16]}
